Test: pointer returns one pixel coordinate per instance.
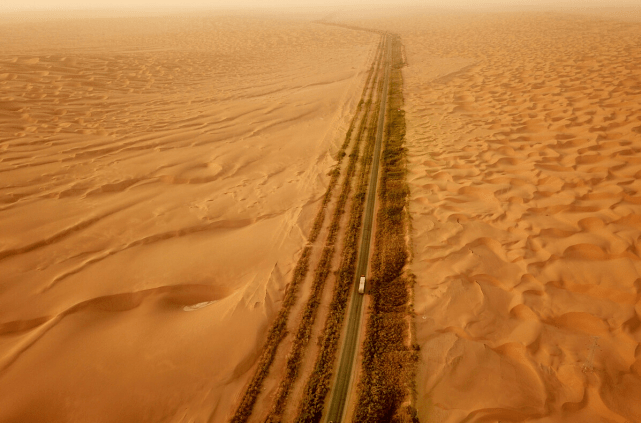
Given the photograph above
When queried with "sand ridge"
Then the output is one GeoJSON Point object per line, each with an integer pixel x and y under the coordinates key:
{"type": "Point", "coordinates": [524, 171]}
{"type": "Point", "coordinates": [149, 167]}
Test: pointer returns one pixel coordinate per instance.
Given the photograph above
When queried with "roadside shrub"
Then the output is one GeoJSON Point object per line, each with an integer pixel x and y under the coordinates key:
{"type": "Point", "coordinates": [318, 384]}
{"type": "Point", "coordinates": [278, 329]}
{"type": "Point", "coordinates": [389, 357]}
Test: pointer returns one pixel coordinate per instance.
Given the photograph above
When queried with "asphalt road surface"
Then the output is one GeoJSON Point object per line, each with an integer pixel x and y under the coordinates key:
{"type": "Point", "coordinates": [343, 381]}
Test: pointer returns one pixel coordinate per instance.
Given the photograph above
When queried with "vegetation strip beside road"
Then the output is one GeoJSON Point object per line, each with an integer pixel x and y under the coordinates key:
{"type": "Point", "coordinates": [336, 171]}
{"type": "Point", "coordinates": [342, 384]}
{"type": "Point", "coordinates": [278, 329]}
{"type": "Point", "coordinates": [318, 384]}
{"type": "Point", "coordinates": [276, 333]}
{"type": "Point", "coordinates": [386, 388]}
{"type": "Point", "coordinates": [303, 334]}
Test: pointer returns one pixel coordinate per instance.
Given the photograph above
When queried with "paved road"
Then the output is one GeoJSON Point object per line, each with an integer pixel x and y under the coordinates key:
{"type": "Point", "coordinates": [344, 376]}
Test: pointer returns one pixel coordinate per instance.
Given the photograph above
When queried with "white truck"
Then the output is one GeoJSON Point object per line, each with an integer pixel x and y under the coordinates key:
{"type": "Point", "coordinates": [361, 285]}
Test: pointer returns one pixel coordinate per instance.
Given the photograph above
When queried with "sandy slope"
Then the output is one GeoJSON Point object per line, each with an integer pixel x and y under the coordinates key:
{"type": "Point", "coordinates": [524, 136]}
{"type": "Point", "coordinates": [157, 178]}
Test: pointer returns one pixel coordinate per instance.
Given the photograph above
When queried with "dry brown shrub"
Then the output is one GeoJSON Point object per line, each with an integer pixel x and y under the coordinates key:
{"type": "Point", "coordinates": [388, 358]}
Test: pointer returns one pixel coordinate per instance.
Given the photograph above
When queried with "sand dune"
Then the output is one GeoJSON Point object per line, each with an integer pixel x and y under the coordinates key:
{"type": "Point", "coordinates": [524, 137]}
{"type": "Point", "coordinates": [157, 179]}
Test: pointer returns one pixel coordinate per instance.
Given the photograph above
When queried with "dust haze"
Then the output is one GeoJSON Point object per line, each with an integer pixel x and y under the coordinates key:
{"type": "Point", "coordinates": [17, 5]}
{"type": "Point", "coordinates": [160, 174]}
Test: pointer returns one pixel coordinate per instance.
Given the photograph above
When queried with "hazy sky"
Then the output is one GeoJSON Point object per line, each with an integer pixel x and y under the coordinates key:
{"type": "Point", "coordinates": [8, 5]}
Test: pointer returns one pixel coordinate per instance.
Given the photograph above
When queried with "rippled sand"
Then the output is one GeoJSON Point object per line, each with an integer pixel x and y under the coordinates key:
{"type": "Point", "coordinates": [157, 179]}
{"type": "Point", "coordinates": [524, 136]}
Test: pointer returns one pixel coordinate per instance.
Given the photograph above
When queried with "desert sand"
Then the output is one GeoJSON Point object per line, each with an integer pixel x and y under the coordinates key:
{"type": "Point", "coordinates": [524, 151]}
{"type": "Point", "coordinates": [524, 138]}
{"type": "Point", "coordinates": [158, 177]}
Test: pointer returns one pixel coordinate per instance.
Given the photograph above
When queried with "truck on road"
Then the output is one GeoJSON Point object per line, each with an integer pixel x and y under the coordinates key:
{"type": "Point", "coordinates": [361, 285]}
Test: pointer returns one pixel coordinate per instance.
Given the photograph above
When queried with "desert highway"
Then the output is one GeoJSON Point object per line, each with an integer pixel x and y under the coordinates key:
{"type": "Point", "coordinates": [349, 349]}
